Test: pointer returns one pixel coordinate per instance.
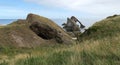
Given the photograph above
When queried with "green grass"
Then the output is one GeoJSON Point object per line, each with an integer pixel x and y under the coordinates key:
{"type": "Point", "coordinates": [55, 58]}
{"type": "Point", "coordinates": [100, 45]}
{"type": "Point", "coordinates": [105, 28]}
{"type": "Point", "coordinates": [4, 63]}
{"type": "Point", "coordinates": [99, 52]}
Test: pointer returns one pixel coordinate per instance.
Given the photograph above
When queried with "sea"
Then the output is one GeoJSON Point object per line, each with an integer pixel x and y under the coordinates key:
{"type": "Point", "coordinates": [86, 22]}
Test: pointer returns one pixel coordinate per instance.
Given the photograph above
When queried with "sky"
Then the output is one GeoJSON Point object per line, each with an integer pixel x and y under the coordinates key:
{"type": "Point", "coordinates": [59, 9]}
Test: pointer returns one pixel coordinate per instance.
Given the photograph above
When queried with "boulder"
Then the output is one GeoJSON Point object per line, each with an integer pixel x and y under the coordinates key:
{"type": "Point", "coordinates": [47, 29]}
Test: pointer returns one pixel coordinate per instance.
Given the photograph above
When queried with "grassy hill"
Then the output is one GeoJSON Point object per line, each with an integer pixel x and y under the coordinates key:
{"type": "Point", "coordinates": [17, 35]}
{"type": "Point", "coordinates": [99, 45]}
{"type": "Point", "coordinates": [105, 28]}
{"type": "Point", "coordinates": [27, 34]}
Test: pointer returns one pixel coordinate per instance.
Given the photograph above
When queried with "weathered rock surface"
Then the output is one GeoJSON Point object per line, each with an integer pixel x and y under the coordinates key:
{"type": "Point", "coordinates": [47, 29]}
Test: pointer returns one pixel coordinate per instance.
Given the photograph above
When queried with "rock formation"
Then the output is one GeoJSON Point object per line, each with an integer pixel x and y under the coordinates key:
{"type": "Point", "coordinates": [34, 31]}
{"type": "Point", "coordinates": [47, 29]}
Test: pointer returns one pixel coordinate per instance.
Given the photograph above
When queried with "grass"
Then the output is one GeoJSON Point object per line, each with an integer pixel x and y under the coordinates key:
{"type": "Point", "coordinates": [14, 33]}
{"type": "Point", "coordinates": [4, 63]}
{"type": "Point", "coordinates": [89, 52]}
{"type": "Point", "coordinates": [100, 45]}
{"type": "Point", "coordinates": [105, 28]}
{"type": "Point", "coordinates": [0, 26]}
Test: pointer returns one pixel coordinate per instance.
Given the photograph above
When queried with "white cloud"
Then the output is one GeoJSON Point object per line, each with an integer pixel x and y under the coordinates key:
{"type": "Point", "coordinates": [60, 3]}
{"type": "Point", "coordinates": [93, 7]}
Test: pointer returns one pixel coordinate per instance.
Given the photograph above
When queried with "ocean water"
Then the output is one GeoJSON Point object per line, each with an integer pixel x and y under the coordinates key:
{"type": "Point", "coordinates": [6, 21]}
{"type": "Point", "coordinates": [86, 22]}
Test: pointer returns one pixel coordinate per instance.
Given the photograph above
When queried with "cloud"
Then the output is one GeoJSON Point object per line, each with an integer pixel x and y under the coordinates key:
{"type": "Point", "coordinates": [60, 3]}
{"type": "Point", "coordinates": [93, 7]}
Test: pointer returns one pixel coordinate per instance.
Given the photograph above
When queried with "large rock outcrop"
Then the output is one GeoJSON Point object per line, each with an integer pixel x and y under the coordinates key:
{"type": "Point", "coordinates": [32, 32]}
{"type": "Point", "coordinates": [47, 29]}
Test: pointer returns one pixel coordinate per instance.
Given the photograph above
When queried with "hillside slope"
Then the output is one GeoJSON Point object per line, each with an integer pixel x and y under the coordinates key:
{"type": "Point", "coordinates": [20, 34]}
{"type": "Point", "coordinates": [105, 28]}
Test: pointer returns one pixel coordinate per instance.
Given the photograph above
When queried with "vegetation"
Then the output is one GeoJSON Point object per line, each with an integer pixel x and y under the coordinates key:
{"type": "Point", "coordinates": [99, 45]}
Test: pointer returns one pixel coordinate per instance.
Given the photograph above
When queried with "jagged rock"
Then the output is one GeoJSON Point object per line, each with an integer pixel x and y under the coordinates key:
{"type": "Point", "coordinates": [47, 29]}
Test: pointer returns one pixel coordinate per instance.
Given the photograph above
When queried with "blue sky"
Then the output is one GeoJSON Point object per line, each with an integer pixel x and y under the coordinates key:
{"type": "Point", "coordinates": [15, 9]}
{"type": "Point", "coordinates": [61, 9]}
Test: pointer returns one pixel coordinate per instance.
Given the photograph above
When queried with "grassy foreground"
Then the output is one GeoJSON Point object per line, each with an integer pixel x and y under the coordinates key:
{"type": "Point", "coordinates": [100, 45]}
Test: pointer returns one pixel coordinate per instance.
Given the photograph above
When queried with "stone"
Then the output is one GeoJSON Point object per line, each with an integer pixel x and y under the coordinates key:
{"type": "Point", "coordinates": [47, 29]}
